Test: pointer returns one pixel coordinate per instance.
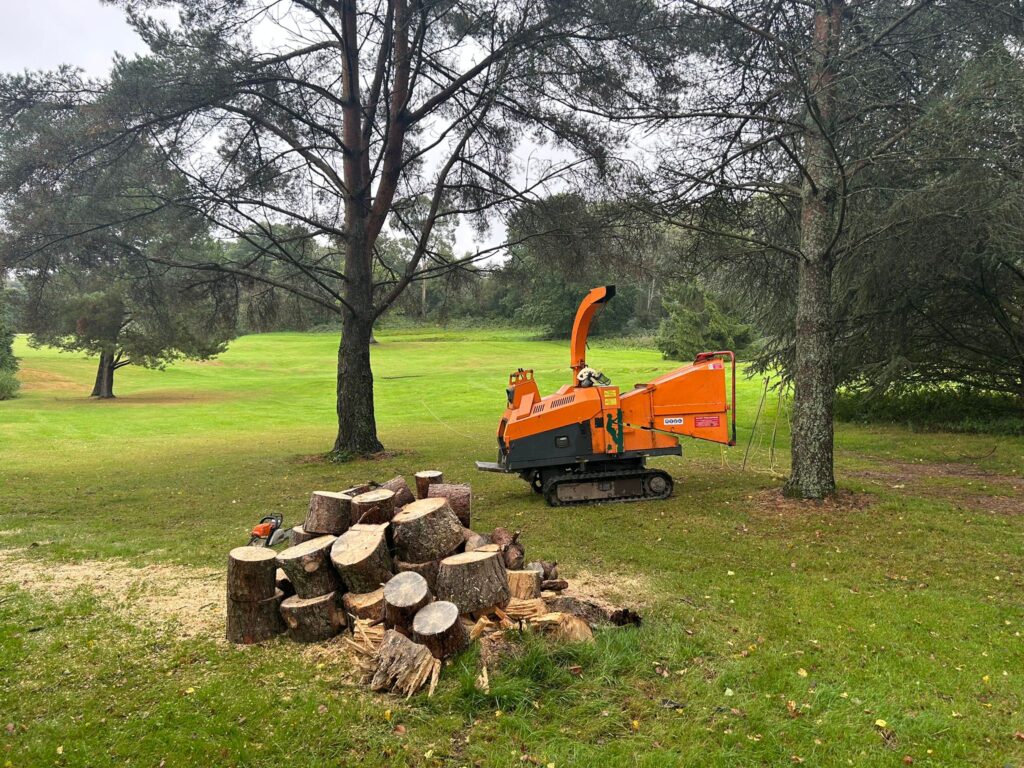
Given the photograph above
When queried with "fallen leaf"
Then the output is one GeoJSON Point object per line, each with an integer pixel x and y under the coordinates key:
{"type": "Point", "coordinates": [802, 672]}
{"type": "Point", "coordinates": [729, 692]}
{"type": "Point", "coordinates": [399, 730]}
{"type": "Point", "coordinates": [635, 725]}
{"type": "Point", "coordinates": [322, 709]}
{"type": "Point", "coordinates": [881, 723]}
{"type": "Point", "coordinates": [908, 760]}
{"type": "Point", "coordinates": [60, 750]}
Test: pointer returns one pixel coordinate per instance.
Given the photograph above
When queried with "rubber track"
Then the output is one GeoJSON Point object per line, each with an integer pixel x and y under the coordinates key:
{"type": "Point", "coordinates": [576, 477]}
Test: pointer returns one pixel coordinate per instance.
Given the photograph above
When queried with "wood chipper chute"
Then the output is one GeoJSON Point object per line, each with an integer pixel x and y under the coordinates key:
{"type": "Point", "coordinates": [589, 441]}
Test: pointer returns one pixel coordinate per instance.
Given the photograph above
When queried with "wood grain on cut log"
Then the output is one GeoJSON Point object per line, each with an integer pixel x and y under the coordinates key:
{"type": "Point", "coordinates": [403, 495]}
{"type": "Point", "coordinates": [404, 595]}
{"type": "Point", "coordinates": [284, 583]}
{"type": "Point", "coordinates": [425, 479]}
{"type": "Point", "coordinates": [524, 585]}
{"type": "Point", "coordinates": [361, 557]}
{"type": "Point", "coordinates": [439, 627]}
{"type": "Point", "coordinates": [520, 610]}
{"type": "Point", "coordinates": [328, 513]}
{"type": "Point", "coordinates": [314, 619]}
{"type": "Point", "coordinates": [251, 573]}
{"type": "Point", "coordinates": [474, 581]}
{"type": "Point", "coordinates": [427, 570]}
{"type": "Point", "coordinates": [253, 621]}
{"type": "Point", "coordinates": [300, 534]}
{"type": "Point", "coordinates": [402, 666]}
{"type": "Point", "coordinates": [460, 499]}
{"type": "Point", "coordinates": [365, 605]}
{"type": "Point", "coordinates": [374, 507]}
{"type": "Point", "coordinates": [426, 530]}
{"type": "Point", "coordinates": [474, 540]}
{"type": "Point", "coordinates": [308, 567]}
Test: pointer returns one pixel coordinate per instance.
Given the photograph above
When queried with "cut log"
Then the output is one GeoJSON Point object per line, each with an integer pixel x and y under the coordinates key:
{"type": "Point", "coordinates": [460, 499]}
{"type": "Point", "coordinates": [524, 585]}
{"type": "Point", "coordinates": [503, 536]}
{"type": "Point", "coordinates": [474, 581]}
{"type": "Point", "coordinates": [308, 567]}
{"type": "Point", "coordinates": [546, 569]}
{"type": "Point", "coordinates": [565, 626]}
{"type": "Point", "coordinates": [475, 540]}
{"type": "Point", "coordinates": [426, 530]}
{"type": "Point", "coordinates": [402, 666]}
{"type": "Point", "coordinates": [404, 595]}
{"type": "Point", "coordinates": [284, 583]}
{"type": "Point", "coordinates": [427, 570]}
{"type": "Point", "coordinates": [425, 479]}
{"type": "Point", "coordinates": [251, 573]}
{"type": "Point", "coordinates": [512, 552]}
{"type": "Point", "coordinates": [328, 513]}
{"type": "Point", "coordinates": [554, 585]}
{"type": "Point", "coordinates": [403, 495]}
{"type": "Point", "coordinates": [439, 628]}
{"type": "Point", "coordinates": [365, 605]}
{"type": "Point", "coordinates": [376, 506]}
{"type": "Point", "coordinates": [361, 557]}
{"type": "Point", "coordinates": [313, 619]}
{"type": "Point", "coordinates": [254, 621]}
{"type": "Point", "coordinates": [299, 535]}
{"type": "Point", "coordinates": [489, 548]}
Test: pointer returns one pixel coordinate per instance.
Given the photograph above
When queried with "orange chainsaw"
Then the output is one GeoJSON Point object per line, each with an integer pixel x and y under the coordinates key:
{"type": "Point", "coordinates": [268, 532]}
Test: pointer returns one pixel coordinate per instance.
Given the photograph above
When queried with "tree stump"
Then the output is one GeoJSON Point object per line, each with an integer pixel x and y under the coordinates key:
{"type": "Point", "coordinates": [308, 567]}
{"type": "Point", "coordinates": [283, 582]}
{"type": "Point", "coordinates": [328, 513]}
{"type": "Point", "coordinates": [254, 621]}
{"type": "Point", "coordinates": [251, 573]}
{"type": "Point", "coordinates": [460, 499]}
{"type": "Point", "coordinates": [427, 570]}
{"type": "Point", "coordinates": [404, 595]}
{"type": "Point", "coordinates": [524, 585]}
{"type": "Point", "coordinates": [475, 540]}
{"type": "Point", "coordinates": [425, 479]}
{"type": "Point", "coordinates": [439, 628]}
{"type": "Point", "coordinates": [361, 557]}
{"type": "Point", "coordinates": [474, 581]}
{"type": "Point", "coordinates": [426, 530]}
{"type": "Point", "coordinates": [314, 619]}
{"type": "Point", "coordinates": [403, 495]}
{"type": "Point", "coordinates": [365, 605]}
{"type": "Point", "coordinates": [299, 535]}
{"type": "Point", "coordinates": [376, 506]}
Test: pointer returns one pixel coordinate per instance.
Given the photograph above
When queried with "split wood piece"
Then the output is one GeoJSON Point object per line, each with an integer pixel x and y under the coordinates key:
{"type": "Point", "coordinates": [328, 513]}
{"type": "Point", "coordinates": [425, 479]}
{"type": "Point", "coordinates": [554, 585]}
{"type": "Point", "coordinates": [373, 507]}
{"type": "Point", "coordinates": [475, 540]}
{"type": "Point", "coordinates": [365, 605]}
{"type": "Point", "coordinates": [512, 552]}
{"type": "Point", "coordinates": [314, 619]}
{"type": "Point", "coordinates": [474, 581]}
{"type": "Point", "coordinates": [300, 534]}
{"type": "Point", "coordinates": [460, 499]}
{"type": "Point", "coordinates": [403, 494]}
{"type": "Point", "coordinates": [439, 627]}
{"type": "Point", "coordinates": [564, 626]}
{"type": "Point", "coordinates": [251, 573]}
{"type": "Point", "coordinates": [251, 621]}
{"type": "Point", "coordinates": [308, 567]}
{"type": "Point", "coordinates": [284, 583]}
{"type": "Point", "coordinates": [427, 570]}
{"type": "Point", "coordinates": [524, 585]}
{"type": "Point", "coordinates": [519, 609]}
{"type": "Point", "coordinates": [426, 530]}
{"type": "Point", "coordinates": [404, 595]}
{"type": "Point", "coordinates": [402, 666]}
{"type": "Point", "coordinates": [361, 557]}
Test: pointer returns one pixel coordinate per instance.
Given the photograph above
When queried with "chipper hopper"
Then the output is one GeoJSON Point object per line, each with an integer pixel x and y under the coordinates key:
{"type": "Point", "coordinates": [589, 441]}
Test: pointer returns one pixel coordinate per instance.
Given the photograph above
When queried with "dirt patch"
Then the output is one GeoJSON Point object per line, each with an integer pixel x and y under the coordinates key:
{"type": "Point", "coordinates": [190, 600]}
{"type": "Point", "coordinates": [896, 472]}
{"type": "Point", "coordinates": [771, 501]}
{"type": "Point", "coordinates": [39, 380]}
{"type": "Point", "coordinates": [167, 397]}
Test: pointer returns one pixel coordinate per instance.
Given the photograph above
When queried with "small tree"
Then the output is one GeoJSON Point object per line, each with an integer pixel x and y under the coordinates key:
{"type": "Point", "coordinates": [9, 383]}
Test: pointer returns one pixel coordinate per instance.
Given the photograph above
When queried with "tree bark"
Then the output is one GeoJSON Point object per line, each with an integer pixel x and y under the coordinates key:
{"type": "Point", "coordinates": [439, 627]}
{"type": "Point", "coordinates": [251, 573]}
{"type": "Point", "coordinates": [362, 558]}
{"type": "Point", "coordinates": [254, 621]}
{"type": "Point", "coordinates": [365, 605]}
{"type": "Point", "coordinates": [426, 530]}
{"type": "Point", "coordinates": [357, 423]}
{"type": "Point", "coordinates": [474, 581]}
{"type": "Point", "coordinates": [373, 507]}
{"type": "Point", "coordinates": [460, 499]}
{"type": "Point", "coordinates": [104, 386]}
{"type": "Point", "coordinates": [308, 567]}
{"type": "Point", "coordinates": [328, 513]}
{"type": "Point", "coordinates": [425, 479]}
{"type": "Point", "coordinates": [314, 619]}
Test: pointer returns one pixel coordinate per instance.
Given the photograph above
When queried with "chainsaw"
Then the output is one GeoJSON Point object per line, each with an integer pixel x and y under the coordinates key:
{"type": "Point", "coordinates": [269, 533]}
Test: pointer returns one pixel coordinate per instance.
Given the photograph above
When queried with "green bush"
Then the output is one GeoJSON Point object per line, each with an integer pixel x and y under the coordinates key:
{"type": "Point", "coordinates": [9, 385]}
{"type": "Point", "coordinates": [945, 409]}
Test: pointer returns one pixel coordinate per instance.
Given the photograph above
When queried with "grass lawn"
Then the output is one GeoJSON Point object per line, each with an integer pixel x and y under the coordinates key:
{"type": "Point", "coordinates": [883, 627]}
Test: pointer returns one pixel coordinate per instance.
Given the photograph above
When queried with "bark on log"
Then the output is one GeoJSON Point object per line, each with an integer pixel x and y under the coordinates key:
{"type": "Point", "coordinates": [373, 507]}
{"type": "Point", "coordinates": [474, 581]}
{"type": "Point", "coordinates": [403, 495]}
{"type": "Point", "coordinates": [426, 530]}
{"type": "Point", "coordinates": [314, 619]}
{"type": "Point", "coordinates": [361, 557]}
{"type": "Point", "coordinates": [402, 666]}
{"type": "Point", "coordinates": [284, 583]}
{"type": "Point", "coordinates": [512, 552]}
{"type": "Point", "coordinates": [427, 570]}
{"type": "Point", "coordinates": [425, 479]}
{"type": "Point", "coordinates": [474, 540]}
{"type": "Point", "coordinates": [251, 573]}
{"type": "Point", "coordinates": [308, 567]}
{"type": "Point", "coordinates": [548, 570]}
{"type": "Point", "coordinates": [365, 605]}
{"type": "Point", "coordinates": [460, 499]}
{"type": "Point", "coordinates": [404, 595]}
{"type": "Point", "coordinates": [524, 585]}
{"type": "Point", "coordinates": [328, 513]}
{"type": "Point", "coordinates": [502, 537]}
{"type": "Point", "coordinates": [554, 585]}
{"type": "Point", "coordinates": [300, 535]}
{"type": "Point", "coordinates": [254, 621]}
{"type": "Point", "coordinates": [439, 627]}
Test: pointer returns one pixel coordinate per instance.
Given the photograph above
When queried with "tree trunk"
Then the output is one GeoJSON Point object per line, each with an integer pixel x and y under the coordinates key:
{"type": "Point", "coordinates": [811, 475]}
{"type": "Point", "coordinates": [357, 424]}
{"type": "Point", "coordinates": [104, 386]}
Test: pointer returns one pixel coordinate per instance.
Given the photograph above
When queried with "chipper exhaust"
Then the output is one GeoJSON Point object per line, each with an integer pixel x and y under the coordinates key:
{"type": "Point", "coordinates": [589, 442]}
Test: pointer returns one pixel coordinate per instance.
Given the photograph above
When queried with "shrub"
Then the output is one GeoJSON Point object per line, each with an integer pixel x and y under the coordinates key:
{"type": "Point", "coordinates": [9, 385]}
{"type": "Point", "coordinates": [946, 409]}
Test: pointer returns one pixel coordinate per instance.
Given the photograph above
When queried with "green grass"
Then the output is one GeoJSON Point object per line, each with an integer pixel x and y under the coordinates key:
{"type": "Point", "coordinates": [906, 609]}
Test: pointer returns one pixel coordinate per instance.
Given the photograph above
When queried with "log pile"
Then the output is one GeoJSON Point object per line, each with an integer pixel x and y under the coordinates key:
{"type": "Point", "coordinates": [407, 576]}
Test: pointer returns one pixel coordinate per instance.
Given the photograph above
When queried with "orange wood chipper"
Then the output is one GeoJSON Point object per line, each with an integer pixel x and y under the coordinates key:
{"type": "Point", "coordinates": [589, 441]}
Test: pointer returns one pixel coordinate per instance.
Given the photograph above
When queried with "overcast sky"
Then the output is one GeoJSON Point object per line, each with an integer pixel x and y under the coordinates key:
{"type": "Point", "coordinates": [42, 34]}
